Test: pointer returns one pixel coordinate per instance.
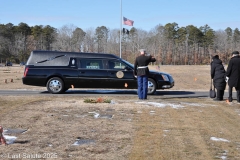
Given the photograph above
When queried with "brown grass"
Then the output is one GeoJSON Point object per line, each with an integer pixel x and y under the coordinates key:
{"type": "Point", "coordinates": [177, 129]}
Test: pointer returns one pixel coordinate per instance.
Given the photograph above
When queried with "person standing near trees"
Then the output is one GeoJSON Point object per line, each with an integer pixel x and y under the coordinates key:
{"type": "Point", "coordinates": [141, 71]}
{"type": "Point", "coordinates": [233, 75]}
{"type": "Point", "coordinates": [218, 75]}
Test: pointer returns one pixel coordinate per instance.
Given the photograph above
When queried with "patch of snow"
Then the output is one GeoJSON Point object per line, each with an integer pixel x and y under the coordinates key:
{"type": "Point", "coordinates": [80, 116]}
{"type": "Point", "coordinates": [162, 105]}
{"type": "Point", "coordinates": [96, 115]}
{"type": "Point", "coordinates": [112, 102]}
{"type": "Point", "coordinates": [176, 106]}
{"type": "Point", "coordinates": [9, 139]}
{"type": "Point", "coordinates": [83, 141]}
{"type": "Point", "coordinates": [197, 104]}
{"type": "Point", "coordinates": [11, 131]}
{"type": "Point", "coordinates": [152, 112]}
{"type": "Point", "coordinates": [219, 139]}
{"type": "Point", "coordinates": [192, 104]}
{"type": "Point", "coordinates": [223, 157]}
{"type": "Point", "coordinates": [5, 131]}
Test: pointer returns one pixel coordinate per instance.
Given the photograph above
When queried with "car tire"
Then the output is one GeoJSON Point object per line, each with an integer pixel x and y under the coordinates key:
{"type": "Point", "coordinates": [151, 86]}
{"type": "Point", "coordinates": [55, 85]}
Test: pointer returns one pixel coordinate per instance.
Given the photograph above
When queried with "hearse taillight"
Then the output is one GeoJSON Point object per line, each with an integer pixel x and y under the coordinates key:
{"type": "Point", "coordinates": [25, 72]}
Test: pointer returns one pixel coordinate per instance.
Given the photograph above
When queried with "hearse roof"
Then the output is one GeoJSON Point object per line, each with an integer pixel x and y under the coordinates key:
{"type": "Point", "coordinates": [38, 56]}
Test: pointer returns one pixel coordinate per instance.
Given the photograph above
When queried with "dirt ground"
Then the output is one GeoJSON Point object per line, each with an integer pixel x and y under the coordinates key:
{"type": "Point", "coordinates": [64, 127]}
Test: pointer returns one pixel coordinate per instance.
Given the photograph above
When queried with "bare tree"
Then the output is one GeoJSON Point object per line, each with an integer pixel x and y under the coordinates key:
{"type": "Point", "coordinates": [113, 42]}
{"type": "Point", "coordinates": [64, 40]}
{"type": "Point", "coordinates": [89, 42]}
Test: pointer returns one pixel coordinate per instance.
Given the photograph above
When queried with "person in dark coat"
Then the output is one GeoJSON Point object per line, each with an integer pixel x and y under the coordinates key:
{"type": "Point", "coordinates": [233, 75]}
{"type": "Point", "coordinates": [141, 71]}
{"type": "Point", "coordinates": [218, 75]}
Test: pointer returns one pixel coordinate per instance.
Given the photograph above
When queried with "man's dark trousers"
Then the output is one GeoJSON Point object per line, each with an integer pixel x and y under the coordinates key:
{"type": "Point", "coordinates": [142, 86]}
{"type": "Point", "coordinates": [230, 93]}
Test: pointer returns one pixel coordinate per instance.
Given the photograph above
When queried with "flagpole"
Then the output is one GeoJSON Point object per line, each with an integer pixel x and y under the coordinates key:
{"type": "Point", "coordinates": [120, 37]}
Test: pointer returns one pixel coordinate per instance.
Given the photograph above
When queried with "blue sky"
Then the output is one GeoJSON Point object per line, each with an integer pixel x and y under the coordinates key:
{"type": "Point", "coordinates": [146, 14]}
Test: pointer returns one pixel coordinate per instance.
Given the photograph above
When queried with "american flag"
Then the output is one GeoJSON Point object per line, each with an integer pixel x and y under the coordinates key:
{"type": "Point", "coordinates": [127, 21]}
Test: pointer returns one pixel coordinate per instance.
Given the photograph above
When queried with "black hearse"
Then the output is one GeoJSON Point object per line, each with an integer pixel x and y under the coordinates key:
{"type": "Point", "coordinates": [59, 71]}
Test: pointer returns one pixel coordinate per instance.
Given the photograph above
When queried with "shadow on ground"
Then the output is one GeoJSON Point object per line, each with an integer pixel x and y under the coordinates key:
{"type": "Point", "coordinates": [182, 94]}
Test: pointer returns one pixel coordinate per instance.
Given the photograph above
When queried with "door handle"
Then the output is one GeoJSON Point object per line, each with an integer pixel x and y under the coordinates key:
{"type": "Point", "coordinates": [82, 72]}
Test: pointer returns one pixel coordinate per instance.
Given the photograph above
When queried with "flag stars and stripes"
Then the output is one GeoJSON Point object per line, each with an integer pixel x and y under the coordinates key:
{"type": "Point", "coordinates": [127, 21]}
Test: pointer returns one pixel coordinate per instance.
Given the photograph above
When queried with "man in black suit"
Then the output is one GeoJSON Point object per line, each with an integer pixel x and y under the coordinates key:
{"type": "Point", "coordinates": [233, 75]}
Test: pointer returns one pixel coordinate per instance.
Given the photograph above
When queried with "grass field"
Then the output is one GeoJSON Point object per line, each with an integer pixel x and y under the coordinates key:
{"type": "Point", "coordinates": [64, 127]}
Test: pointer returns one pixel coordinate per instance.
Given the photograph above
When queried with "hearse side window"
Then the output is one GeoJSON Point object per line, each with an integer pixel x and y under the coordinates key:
{"type": "Point", "coordinates": [91, 64]}
{"type": "Point", "coordinates": [118, 65]}
{"type": "Point", "coordinates": [50, 59]}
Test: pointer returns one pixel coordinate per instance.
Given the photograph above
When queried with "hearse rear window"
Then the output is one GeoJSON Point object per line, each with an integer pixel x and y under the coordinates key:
{"type": "Point", "coordinates": [91, 64]}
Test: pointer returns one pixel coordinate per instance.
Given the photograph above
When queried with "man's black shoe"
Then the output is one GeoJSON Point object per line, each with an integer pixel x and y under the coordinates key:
{"type": "Point", "coordinates": [216, 99]}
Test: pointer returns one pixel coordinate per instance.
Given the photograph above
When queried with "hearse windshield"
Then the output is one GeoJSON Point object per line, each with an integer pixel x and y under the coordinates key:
{"type": "Point", "coordinates": [128, 63]}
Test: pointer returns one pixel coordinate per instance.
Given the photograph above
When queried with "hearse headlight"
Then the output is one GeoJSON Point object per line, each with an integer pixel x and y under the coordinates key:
{"type": "Point", "coordinates": [165, 77]}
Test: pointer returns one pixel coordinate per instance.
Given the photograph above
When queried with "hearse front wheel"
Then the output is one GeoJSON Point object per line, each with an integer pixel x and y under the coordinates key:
{"type": "Point", "coordinates": [55, 85]}
{"type": "Point", "coordinates": [151, 86]}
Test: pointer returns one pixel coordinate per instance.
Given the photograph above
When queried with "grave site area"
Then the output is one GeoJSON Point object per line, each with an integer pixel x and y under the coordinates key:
{"type": "Point", "coordinates": [120, 126]}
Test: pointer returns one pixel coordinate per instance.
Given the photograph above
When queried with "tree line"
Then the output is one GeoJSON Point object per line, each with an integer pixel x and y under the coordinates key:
{"type": "Point", "coordinates": [170, 44]}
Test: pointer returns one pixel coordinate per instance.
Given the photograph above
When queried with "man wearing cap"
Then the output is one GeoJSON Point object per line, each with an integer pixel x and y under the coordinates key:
{"type": "Point", "coordinates": [141, 71]}
{"type": "Point", "coordinates": [233, 75]}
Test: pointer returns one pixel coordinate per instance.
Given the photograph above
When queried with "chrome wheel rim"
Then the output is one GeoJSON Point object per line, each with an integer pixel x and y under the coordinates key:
{"type": "Point", "coordinates": [150, 87]}
{"type": "Point", "coordinates": [55, 85]}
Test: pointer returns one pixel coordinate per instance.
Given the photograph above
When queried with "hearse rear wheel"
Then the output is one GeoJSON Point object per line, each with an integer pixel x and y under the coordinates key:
{"type": "Point", "coordinates": [55, 85]}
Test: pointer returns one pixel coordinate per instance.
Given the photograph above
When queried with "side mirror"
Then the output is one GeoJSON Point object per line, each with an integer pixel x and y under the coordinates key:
{"type": "Point", "coordinates": [127, 68]}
